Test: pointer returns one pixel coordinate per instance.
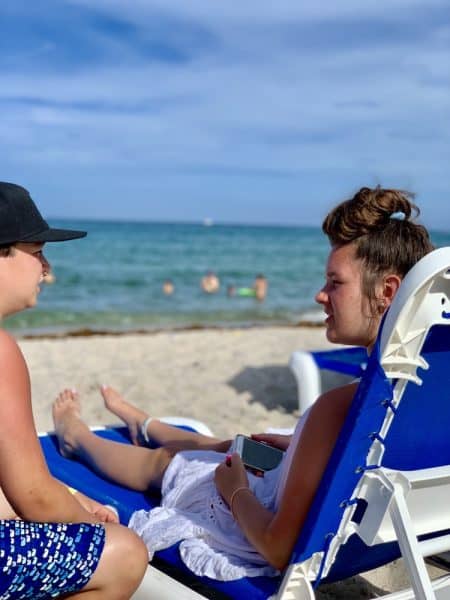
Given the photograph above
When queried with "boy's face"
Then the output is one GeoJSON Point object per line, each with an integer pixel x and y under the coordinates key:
{"type": "Point", "coordinates": [20, 275]}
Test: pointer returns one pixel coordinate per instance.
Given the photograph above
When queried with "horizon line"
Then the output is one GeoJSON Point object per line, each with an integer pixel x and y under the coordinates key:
{"type": "Point", "coordinates": [199, 222]}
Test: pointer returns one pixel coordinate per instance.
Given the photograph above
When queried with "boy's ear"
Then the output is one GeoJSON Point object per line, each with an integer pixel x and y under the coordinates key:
{"type": "Point", "coordinates": [391, 284]}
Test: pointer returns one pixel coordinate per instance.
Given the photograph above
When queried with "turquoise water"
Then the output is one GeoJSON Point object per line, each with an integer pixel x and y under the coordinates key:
{"type": "Point", "coordinates": [112, 280]}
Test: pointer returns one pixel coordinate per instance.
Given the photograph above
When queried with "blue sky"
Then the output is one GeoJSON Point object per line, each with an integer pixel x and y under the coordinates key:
{"type": "Point", "coordinates": [257, 111]}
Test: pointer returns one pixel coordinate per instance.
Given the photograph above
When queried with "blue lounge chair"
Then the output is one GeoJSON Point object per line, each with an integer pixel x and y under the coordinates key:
{"type": "Point", "coordinates": [386, 489]}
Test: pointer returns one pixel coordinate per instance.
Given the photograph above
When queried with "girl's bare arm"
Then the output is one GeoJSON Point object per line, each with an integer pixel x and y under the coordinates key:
{"type": "Point", "coordinates": [274, 535]}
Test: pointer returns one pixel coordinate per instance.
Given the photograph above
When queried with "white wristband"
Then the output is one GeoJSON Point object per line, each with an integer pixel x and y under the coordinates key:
{"type": "Point", "coordinates": [144, 428]}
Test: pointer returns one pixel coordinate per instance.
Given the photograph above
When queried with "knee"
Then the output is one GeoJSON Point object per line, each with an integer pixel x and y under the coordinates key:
{"type": "Point", "coordinates": [124, 559]}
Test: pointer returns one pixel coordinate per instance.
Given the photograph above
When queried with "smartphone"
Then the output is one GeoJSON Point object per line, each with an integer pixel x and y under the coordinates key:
{"type": "Point", "coordinates": [257, 455]}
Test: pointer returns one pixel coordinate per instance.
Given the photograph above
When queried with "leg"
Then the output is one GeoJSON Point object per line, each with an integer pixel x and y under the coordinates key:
{"type": "Point", "coordinates": [95, 561]}
{"type": "Point", "coordinates": [120, 569]}
{"type": "Point", "coordinates": [6, 510]}
{"type": "Point", "coordinates": [132, 466]}
{"type": "Point", "coordinates": [162, 433]}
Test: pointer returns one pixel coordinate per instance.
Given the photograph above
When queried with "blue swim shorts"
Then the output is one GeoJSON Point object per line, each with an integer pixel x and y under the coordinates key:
{"type": "Point", "coordinates": [45, 560]}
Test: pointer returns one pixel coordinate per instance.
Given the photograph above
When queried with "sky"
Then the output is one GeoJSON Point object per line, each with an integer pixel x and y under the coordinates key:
{"type": "Point", "coordinates": [251, 112]}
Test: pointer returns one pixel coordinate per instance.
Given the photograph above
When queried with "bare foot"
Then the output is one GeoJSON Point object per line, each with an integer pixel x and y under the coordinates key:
{"type": "Point", "coordinates": [132, 416]}
{"type": "Point", "coordinates": [68, 424]}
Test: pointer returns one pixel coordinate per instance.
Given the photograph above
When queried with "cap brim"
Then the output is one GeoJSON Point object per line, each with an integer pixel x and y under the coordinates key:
{"type": "Point", "coordinates": [55, 235]}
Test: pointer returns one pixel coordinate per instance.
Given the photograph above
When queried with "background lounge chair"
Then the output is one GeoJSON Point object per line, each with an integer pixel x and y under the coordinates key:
{"type": "Point", "coordinates": [318, 371]}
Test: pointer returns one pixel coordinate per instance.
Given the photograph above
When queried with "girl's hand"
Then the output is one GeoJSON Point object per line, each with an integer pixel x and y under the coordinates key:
{"type": "Point", "coordinates": [230, 475]}
{"type": "Point", "coordinates": [277, 440]}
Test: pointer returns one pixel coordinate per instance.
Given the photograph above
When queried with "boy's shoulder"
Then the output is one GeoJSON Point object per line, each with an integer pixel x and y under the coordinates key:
{"type": "Point", "coordinates": [8, 344]}
{"type": "Point", "coordinates": [12, 362]}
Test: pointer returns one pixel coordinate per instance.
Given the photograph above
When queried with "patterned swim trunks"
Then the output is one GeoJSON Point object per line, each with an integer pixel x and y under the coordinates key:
{"type": "Point", "coordinates": [45, 560]}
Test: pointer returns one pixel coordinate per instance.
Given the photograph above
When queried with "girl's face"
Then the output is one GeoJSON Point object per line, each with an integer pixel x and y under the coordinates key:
{"type": "Point", "coordinates": [350, 318]}
{"type": "Point", "coordinates": [20, 275]}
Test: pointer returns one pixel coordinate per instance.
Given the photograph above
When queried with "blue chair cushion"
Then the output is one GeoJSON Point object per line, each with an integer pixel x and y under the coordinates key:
{"type": "Point", "coordinates": [127, 501]}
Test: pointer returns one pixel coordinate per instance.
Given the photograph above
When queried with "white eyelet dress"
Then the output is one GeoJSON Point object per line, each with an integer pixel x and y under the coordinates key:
{"type": "Point", "coordinates": [193, 512]}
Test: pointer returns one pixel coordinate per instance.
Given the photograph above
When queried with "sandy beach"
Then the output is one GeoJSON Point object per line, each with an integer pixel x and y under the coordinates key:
{"type": "Point", "coordinates": [234, 380]}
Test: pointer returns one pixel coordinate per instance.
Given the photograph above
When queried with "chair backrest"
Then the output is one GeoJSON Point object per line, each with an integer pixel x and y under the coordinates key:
{"type": "Point", "coordinates": [400, 418]}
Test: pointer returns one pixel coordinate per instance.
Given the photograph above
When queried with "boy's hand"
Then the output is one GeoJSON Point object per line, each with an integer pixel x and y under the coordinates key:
{"type": "Point", "coordinates": [102, 512]}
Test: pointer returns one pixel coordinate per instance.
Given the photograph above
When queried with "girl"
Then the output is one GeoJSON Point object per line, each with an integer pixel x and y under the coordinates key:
{"type": "Point", "coordinates": [233, 523]}
{"type": "Point", "coordinates": [53, 541]}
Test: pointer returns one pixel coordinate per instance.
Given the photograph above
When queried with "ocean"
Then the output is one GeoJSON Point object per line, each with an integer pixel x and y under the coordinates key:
{"type": "Point", "coordinates": [112, 279]}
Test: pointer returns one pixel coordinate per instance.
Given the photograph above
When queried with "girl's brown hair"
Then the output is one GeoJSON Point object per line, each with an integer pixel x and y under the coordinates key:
{"type": "Point", "coordinates": [380, 224]}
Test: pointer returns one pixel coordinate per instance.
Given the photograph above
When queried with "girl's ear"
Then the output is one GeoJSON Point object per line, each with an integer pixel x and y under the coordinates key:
{"type": "Point", "coordinates": [391, 283]}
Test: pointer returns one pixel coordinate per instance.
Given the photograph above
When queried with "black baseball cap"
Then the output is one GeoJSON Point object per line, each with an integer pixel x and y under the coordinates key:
{"type": "Point", "coordinates": [21, 221]}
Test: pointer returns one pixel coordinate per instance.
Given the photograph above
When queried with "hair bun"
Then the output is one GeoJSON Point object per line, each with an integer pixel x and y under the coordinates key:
{"type": "Point", "coordinates": [370, 210]}
{"type": "Point", "coordinates": [380, 223]}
